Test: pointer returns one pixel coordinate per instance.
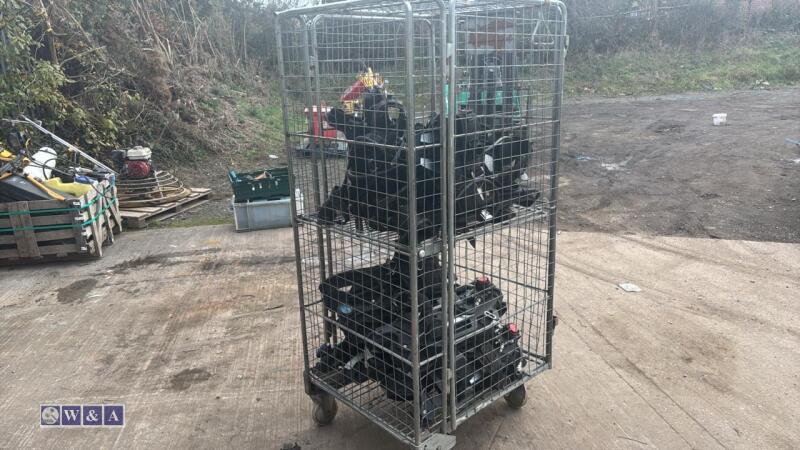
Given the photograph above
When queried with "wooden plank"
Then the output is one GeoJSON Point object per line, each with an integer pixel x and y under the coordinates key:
{"type": "Point", "coordinates": [79, 232]}
{"type": "Point", "coordinates": [107, 224]}
{"type": "Point", "coordinates": [17, 262]}
{"type": "Point", "coordinates": [87, 232]}
{"type": "Point", "coordinates": [56, 219]}
{"type": "Point", "coordinates": [129, 213]}
{"type": "Point", "coordinates": [23, 230]}
{"type": "Point", "coordinates": [97, 219]}
{"type": "Point", "coordinates": [181, 209]}
{"type": "Point", "coordinates": [135, 223]}
{"type": "Point", "coordinates": [41, 236]}
{"type": "Point", "coordinates": [44, 236]}
{"type": "Point", "coordinates": [140, 216]}
{"type": "Point", "coordinates": [11, 253]}
{"type": "Point", "coordinates": [60, 219]}
{"type": "Point", "coordinates": [115, 210]}
{"type": "Point", "coordinates": [37, 204]}
{"type": "Point", "coordinates": [108, 237]}
{"type": "Point", "coordinates": [95, 227]}
{"type": "Point", "coordinates": [144, 210]}
{"type": "Point", "coordinates": [63, 249]}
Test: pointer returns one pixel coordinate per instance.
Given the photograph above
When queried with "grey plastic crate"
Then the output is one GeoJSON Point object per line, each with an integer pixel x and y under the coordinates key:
{"type": "Point", "coordinates": [262, 214]}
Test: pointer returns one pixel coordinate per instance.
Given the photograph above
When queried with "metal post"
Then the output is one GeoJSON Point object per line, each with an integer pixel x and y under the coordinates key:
{"type": "Point", "coordinates": [412, 217]}
{"type": "Point", "coordinates": [320, 132]}
{"type": "Point", "coordinates": [293, 203]}
{"type": "Point", "coordinates": [309, 102]}
{"type": "Point", "coordinates": [432, 59]}
{"type": "Point", "coordinates": [451, 213]}
{"type": "Point", "coordinates": [561, 42]}
{"type": "Point", "coordinates": [446, 222]}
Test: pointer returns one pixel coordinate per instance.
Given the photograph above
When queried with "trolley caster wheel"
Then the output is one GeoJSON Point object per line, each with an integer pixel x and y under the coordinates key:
{"type": "Point", "coordinates": [325, 409]}
{"type": "Point", "coordinates": [517, 398]}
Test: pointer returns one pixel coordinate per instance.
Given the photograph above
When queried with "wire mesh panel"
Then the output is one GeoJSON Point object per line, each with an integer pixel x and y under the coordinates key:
{"type": "Point", "coordinates": [423, 139]}
{"type": "Point", "coordinates": [508, 71]}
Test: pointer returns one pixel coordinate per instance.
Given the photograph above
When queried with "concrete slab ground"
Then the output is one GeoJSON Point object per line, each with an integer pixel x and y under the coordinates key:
{"type": "Point", "coordinates": [196, 331]}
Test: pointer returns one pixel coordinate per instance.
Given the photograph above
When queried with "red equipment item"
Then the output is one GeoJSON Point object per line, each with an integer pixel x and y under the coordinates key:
{"type": "Point", "coordinates": [137, 170]}
{"type": "Point", "coordinates": [512, 327]}
{"type": "Point", "coordinates": [355, 90]}
{"type": "Point", "coordinates": [315, 119]}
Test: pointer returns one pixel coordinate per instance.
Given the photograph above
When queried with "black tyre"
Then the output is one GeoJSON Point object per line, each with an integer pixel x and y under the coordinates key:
{"type": "Point", "coordinates": [324, 410]}
{"type": "Point", "coordinates": [517, 398]}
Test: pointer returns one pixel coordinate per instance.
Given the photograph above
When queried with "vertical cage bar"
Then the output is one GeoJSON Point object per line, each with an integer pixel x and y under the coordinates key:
{"type": "Point", "coordinates": [310, 68]}
{"type": "Point", "coordinates": [560, 46]}
{"type": "Point", "coordinates": [320, 132]}
{"type": "Point", "coordinates": [292, 188]}
{"type": "Point", "coordinates": [447, 222]}
{"type": "Point", "coordinates": [449, 157]}
{"type": "Point", "coordinates": [412, 217]}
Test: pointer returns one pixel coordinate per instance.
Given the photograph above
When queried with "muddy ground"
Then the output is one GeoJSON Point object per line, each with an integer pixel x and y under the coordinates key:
{"type": "Point", "coordinates": [656, 165]}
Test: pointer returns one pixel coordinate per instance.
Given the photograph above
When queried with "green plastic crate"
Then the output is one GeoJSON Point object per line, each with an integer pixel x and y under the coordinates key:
{"type": "Point", "coordinates": [273, 186]}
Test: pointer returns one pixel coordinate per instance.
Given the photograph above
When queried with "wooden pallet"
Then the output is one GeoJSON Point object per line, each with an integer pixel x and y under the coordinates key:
{"type": "Point", "coordinates": [44, 230]}
{"type": "Point", "coordinates": [140, 217]}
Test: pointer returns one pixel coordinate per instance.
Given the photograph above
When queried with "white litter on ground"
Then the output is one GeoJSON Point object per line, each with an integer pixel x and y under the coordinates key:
{"type": "Point", "coordinates": [611, 167]}
{"type": "Point", "coordinates": [630, 287]}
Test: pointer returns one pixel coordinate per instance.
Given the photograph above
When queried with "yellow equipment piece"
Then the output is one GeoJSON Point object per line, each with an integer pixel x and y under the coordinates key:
{"type": "Point", "coordinates": [76, 189]}
{"type": "Point", "coordinates": [44, 186]}
{"type": "Point", "coordinates": [53, 194]}
{"type": "Point", "coordinates": [8, 157]}
{"type": "Point", "coordinates": [371, 79]}
{"type": "Point", "coordinates": [365, 80]}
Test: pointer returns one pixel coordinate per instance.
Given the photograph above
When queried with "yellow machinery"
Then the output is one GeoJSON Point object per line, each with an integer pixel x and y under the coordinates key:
{"type": "Point", "coordinates": [365, 81]}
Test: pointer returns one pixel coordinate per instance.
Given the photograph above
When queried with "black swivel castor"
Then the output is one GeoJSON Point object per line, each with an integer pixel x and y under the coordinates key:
{"type": "Point", "coordinates": [517, 398]}
{"type": "Point", "coordinates": [324, 409]}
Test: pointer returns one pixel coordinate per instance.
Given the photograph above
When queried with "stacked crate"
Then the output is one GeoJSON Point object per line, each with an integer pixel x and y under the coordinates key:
{"type": "Point", "coordinates": [60, 229]}
{"type": "Point", "coordinates": [260, 199]}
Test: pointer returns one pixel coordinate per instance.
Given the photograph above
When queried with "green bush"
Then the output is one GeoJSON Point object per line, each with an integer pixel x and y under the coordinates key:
{"type": "Point", "coordinates": [114, 73]}
{"type": "Point", "coordinates": [621, 25]}
{"type": "Point", "coordinates": [35, 82]}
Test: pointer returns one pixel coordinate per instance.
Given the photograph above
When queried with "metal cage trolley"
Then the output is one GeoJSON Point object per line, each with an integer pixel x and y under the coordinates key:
{"type": "Point", "coordinates": [423, 140]}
